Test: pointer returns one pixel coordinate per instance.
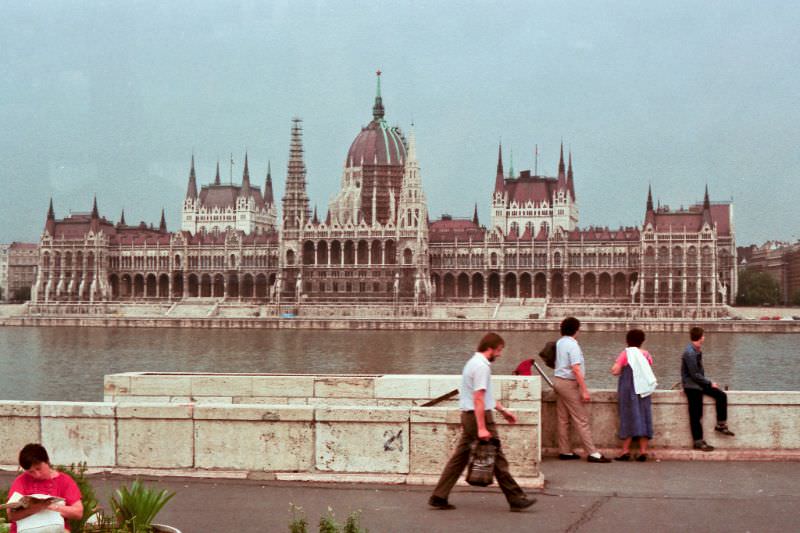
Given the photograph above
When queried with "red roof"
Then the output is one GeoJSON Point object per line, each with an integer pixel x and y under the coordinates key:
{"type": "Point", "coordinates": [224, 196]}
{"type": "Point", "coordinates": [527, 188]}
{"type": "Point", "coordinates": [449, 230]}
{"type": "Point", "coordinates": [691, 220]}
{"type": "Point", "coordinates": [377, 143]}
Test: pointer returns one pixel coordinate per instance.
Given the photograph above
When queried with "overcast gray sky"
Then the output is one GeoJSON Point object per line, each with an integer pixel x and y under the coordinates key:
{"type": "Point", "coordinates": [111, 98]}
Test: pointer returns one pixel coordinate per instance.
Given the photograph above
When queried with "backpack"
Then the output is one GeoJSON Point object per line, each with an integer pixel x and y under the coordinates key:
{"type": "Point", "coordinates": [548, 354]}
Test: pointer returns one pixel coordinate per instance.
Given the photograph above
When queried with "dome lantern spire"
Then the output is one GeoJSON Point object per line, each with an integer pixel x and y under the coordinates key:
{"type": "Point", "coordinates": [377, 110]}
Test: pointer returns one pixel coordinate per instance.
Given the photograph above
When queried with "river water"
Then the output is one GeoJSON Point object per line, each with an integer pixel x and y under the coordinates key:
{"type": "Point", "coordinates": [60, 363]}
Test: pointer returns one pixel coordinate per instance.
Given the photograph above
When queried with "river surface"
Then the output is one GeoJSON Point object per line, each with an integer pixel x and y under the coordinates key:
{"type": "Point", "coordinates": [59, 363]}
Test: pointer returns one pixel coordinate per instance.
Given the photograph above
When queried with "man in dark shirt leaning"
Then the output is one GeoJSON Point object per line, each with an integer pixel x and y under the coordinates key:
{"type": "Point", "coordinates": [695, 385]}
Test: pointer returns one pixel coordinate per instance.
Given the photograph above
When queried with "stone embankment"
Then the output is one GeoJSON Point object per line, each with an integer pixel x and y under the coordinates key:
{"type": "Point", "coordinates": [370, 428]}
{"type": "Point", "coordinates": [589, 324]}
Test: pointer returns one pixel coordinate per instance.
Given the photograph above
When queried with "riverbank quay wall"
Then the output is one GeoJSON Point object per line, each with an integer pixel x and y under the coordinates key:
{"type": "Point", "coordinates": [650, 325]}
{"type": "Point", "coordinates": [294, 428]}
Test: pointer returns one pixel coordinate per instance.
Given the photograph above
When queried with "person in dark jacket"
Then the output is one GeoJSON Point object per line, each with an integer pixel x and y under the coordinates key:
{"type": "Point", "coordinates": [695, 385]}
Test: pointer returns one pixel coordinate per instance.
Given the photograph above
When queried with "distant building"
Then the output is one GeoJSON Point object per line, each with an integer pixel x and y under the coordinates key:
{"type": "Point", "coordinates": [376, 242]}
{"type": "Point", "coordinates": [4, 272]}
{"type": "Point", "coordinates": [781, 261]}
{"type": "Point", "coordinates": [23, 261]}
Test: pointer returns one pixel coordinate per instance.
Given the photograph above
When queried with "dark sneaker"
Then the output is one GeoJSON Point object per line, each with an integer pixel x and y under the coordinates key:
{"type": "Point", "coordinates": [642, 457]}
{"type": "Point", "coordinates": [568, 456]}
{"type": "Point", "coordinates": [521, 504]}
{"type": "Point", "coordinates": [724, 430]}
{"type": "Point", "coordinates": [624, 457]}
{"type": "Point", "coordinates": [703, 446]}
{"type": "Point", "coordinates": [601, 459]}
{"type": "Point", "coordinates": [440, 503]}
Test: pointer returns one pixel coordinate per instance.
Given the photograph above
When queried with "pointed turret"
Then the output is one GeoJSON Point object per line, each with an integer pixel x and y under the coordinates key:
{"type": "Point", "coordinates": [315, 220]}
{"type": "Point", "coordinates": [499, 181]}
{"type": "Point", "coordinates": [245, 179]}
{"type": "Point", "coordinates": [269, 198]}
{"type": "Point", "coordinates": [295, 200]}
{"type": "Point", "coordinates": [162, 226]}
{"type": "Point", "coordinates": [122, 218]}
{"type": "Point", "coordinates": [562, 175]}
{"type": "Point", "coordinates": [650, 215]}
{"type": "Point", "coordinates": [95, 213]}
{"type": "Point", "coordinates": [707, 209]}
{"type": "Point", "coordinates": [570, 182]}
{"type": "Point", "coordinates": [475, 215]}
{"type": "Point", "coordinates": [216, 178]}
{"type": "Point", "coordinates": [191, 190]}
{"type": "Point", "coordinates": [377, 110]}
{"type": "Point", "coordinates": [50, 225]}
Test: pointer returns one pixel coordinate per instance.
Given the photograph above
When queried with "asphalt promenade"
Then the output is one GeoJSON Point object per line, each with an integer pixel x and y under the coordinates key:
{"type": "Point", "coordinates": [619, 497]}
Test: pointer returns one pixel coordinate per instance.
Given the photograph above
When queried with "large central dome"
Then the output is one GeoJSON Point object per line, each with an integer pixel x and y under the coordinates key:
{"type": "Point", "coordinates": [377, 143]}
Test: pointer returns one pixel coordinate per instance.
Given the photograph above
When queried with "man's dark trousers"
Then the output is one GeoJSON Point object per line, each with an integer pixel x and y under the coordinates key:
{"type": "Point", "coordinates": [695, 398]}
{"type": "Point", "coordinates": [458, 461]}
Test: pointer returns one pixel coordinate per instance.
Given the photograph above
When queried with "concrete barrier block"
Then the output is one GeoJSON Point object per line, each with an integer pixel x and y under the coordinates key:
{"type": "Point", "coordinates": [117, 384]}
{"type": "Point", "coordinates": [432, 442]}
{"type": "Point", "coordinates": [438, 385]}
{"type": "Point", "coordinates": [365, 414]}
{"type": "Point", "coordinates": [17, 431]}
{"type": "Point", "coordinates": [376, 447]}
{"type": "Point", "coordinates": [267, 413]}
{"type": "Point", "coordinates": [17, 408]}
{"type": "Point", "coordinates": [161, 385]}
{"type": "Point", "coordinates": [211, 400]}
{"type": "Point", "coordinates": [344, 387]}
{"type": "Point", "coordinates": [76, 440]}
{"type": "Point", "coordinates": [283, 386]}
{"type": "Point", "coordinates": [222, 385]}
{"type": "Point", "coordinates": [522, 388]}
{"type": "Point", "coordinates": [395, 386]}
{"type": "Point", "coordinates": [521, 446]}
{"type": "Point", "coordinates": [254, 445]}
{"type": "Point", "coordinates": [260, 400]}
{"type": "Point", "coordinates": [352, 402]}
{"type": "Point", "coordinates": [77, 409]}
{"type": "Point", "coordinates": [435, 415]}
{"type": "Point", "coordinates": [149, 442]}
{"type": "Point", "coordinates": [152, 411]}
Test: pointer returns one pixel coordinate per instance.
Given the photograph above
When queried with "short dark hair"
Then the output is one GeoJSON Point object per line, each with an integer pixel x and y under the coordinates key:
{"type": "Point", "coordinates": [490, 340]}
{"type": "Point", "coordinates": [696, 333]}
{"type": "Point", "coordinates": [570, 326]}
{"type": "Point", "coordinates": [32, 454]}
{"type": "Point", "coordinates": [635, 337]}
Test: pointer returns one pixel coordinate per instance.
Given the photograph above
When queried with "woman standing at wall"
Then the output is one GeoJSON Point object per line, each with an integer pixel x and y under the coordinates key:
{"type": "Point", "coordinates": [636, 383]}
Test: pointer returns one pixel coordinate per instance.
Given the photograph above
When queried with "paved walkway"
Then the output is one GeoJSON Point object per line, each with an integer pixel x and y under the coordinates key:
{"type": "Point", "coordinates": [637, 497]}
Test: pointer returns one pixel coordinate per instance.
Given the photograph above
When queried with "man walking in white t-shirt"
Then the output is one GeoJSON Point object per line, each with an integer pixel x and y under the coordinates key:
{"type": "Point", "coordinates": [572, 394]}
{"type": "Point", "coordinates": [477, 402]}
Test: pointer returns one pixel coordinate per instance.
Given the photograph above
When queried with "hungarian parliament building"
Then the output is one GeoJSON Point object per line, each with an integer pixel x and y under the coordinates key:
{"type": "Point", "coordinates": [377, 243]}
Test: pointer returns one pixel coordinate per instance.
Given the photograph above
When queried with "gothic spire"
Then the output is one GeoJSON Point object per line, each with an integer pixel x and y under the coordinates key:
{"type": "Point", "coordinates": [649, 199]}
{"type": "Point", "coordinates": [95, 213]}
{"type": "Point", "coordinates": [51, 215]}
{"type": "Point", "coordinates": [295, 200]}
{"type": "Point", "coordinates": [191, 190]}
{"type": "Point", "coordinates": [245, 178]}
{"type": "Point", "coordinates": [706, 201]}
{"type": "Point", "coordinates": [315, 220]}
{"type": "Point", "coordinates": [499, 183]}
{"type": "Point", "coordinates": [122, 218]}
{"type": "Point", "coordinates": [475, 215]}
{"type": "Point", "coordinates": [162, 226]}
{"type": "Point", "coordinates": [570, 182]}
{"type": "Point", "coordinates": [216, 179]}
{"type": "Point", "coordinates": [377, 109]}
{"type": "Point", "coordinates": [268, 196]}
{"type": "Point", "coordinates": [707, 209]}
{"type": "Point", "coordinates": [562, 178]}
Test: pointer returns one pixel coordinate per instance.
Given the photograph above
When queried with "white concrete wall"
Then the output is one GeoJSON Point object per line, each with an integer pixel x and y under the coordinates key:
{"type": "Point", "coordinates": [298, 427]}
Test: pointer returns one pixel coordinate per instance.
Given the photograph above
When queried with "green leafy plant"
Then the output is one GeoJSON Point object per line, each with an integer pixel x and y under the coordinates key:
{"type": "Point", "coordinates": [298, 523]}
{"type": "Point", "coordinates": [88, 496]}
{"type": "Point", "coordinates": [136, 507]}
{"type": "Point", "coordinates": [327, 523]}
{"type": "Point", "coordinates": [353, 524]}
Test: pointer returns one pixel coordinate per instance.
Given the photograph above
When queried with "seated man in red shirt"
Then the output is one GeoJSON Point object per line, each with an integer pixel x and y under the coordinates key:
{"type": "Point", "coordinates": [40, 478]}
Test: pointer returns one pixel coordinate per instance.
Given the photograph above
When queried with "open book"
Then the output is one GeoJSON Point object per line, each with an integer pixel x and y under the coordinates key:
{"type": "Point", "coordinates": [18, 501]}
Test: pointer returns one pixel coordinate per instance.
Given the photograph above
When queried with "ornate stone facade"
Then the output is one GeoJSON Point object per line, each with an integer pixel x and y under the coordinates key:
{"type": "Point", "coordinates": [376, 243]}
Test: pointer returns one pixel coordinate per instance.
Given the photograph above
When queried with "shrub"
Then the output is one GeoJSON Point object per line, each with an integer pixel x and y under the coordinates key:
{"type": "Point", "coordinates": [137, 507]}
{"type": "Point", "coordinates": [298, 523]}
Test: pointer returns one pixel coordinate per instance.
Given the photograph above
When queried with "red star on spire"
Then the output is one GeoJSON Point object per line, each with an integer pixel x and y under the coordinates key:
{"type": "Point", "coordinates": [378, 72]}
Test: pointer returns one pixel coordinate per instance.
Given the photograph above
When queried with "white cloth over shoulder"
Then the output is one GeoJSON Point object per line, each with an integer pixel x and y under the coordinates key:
{"type": "Point", "coordinates": [644, 381]}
